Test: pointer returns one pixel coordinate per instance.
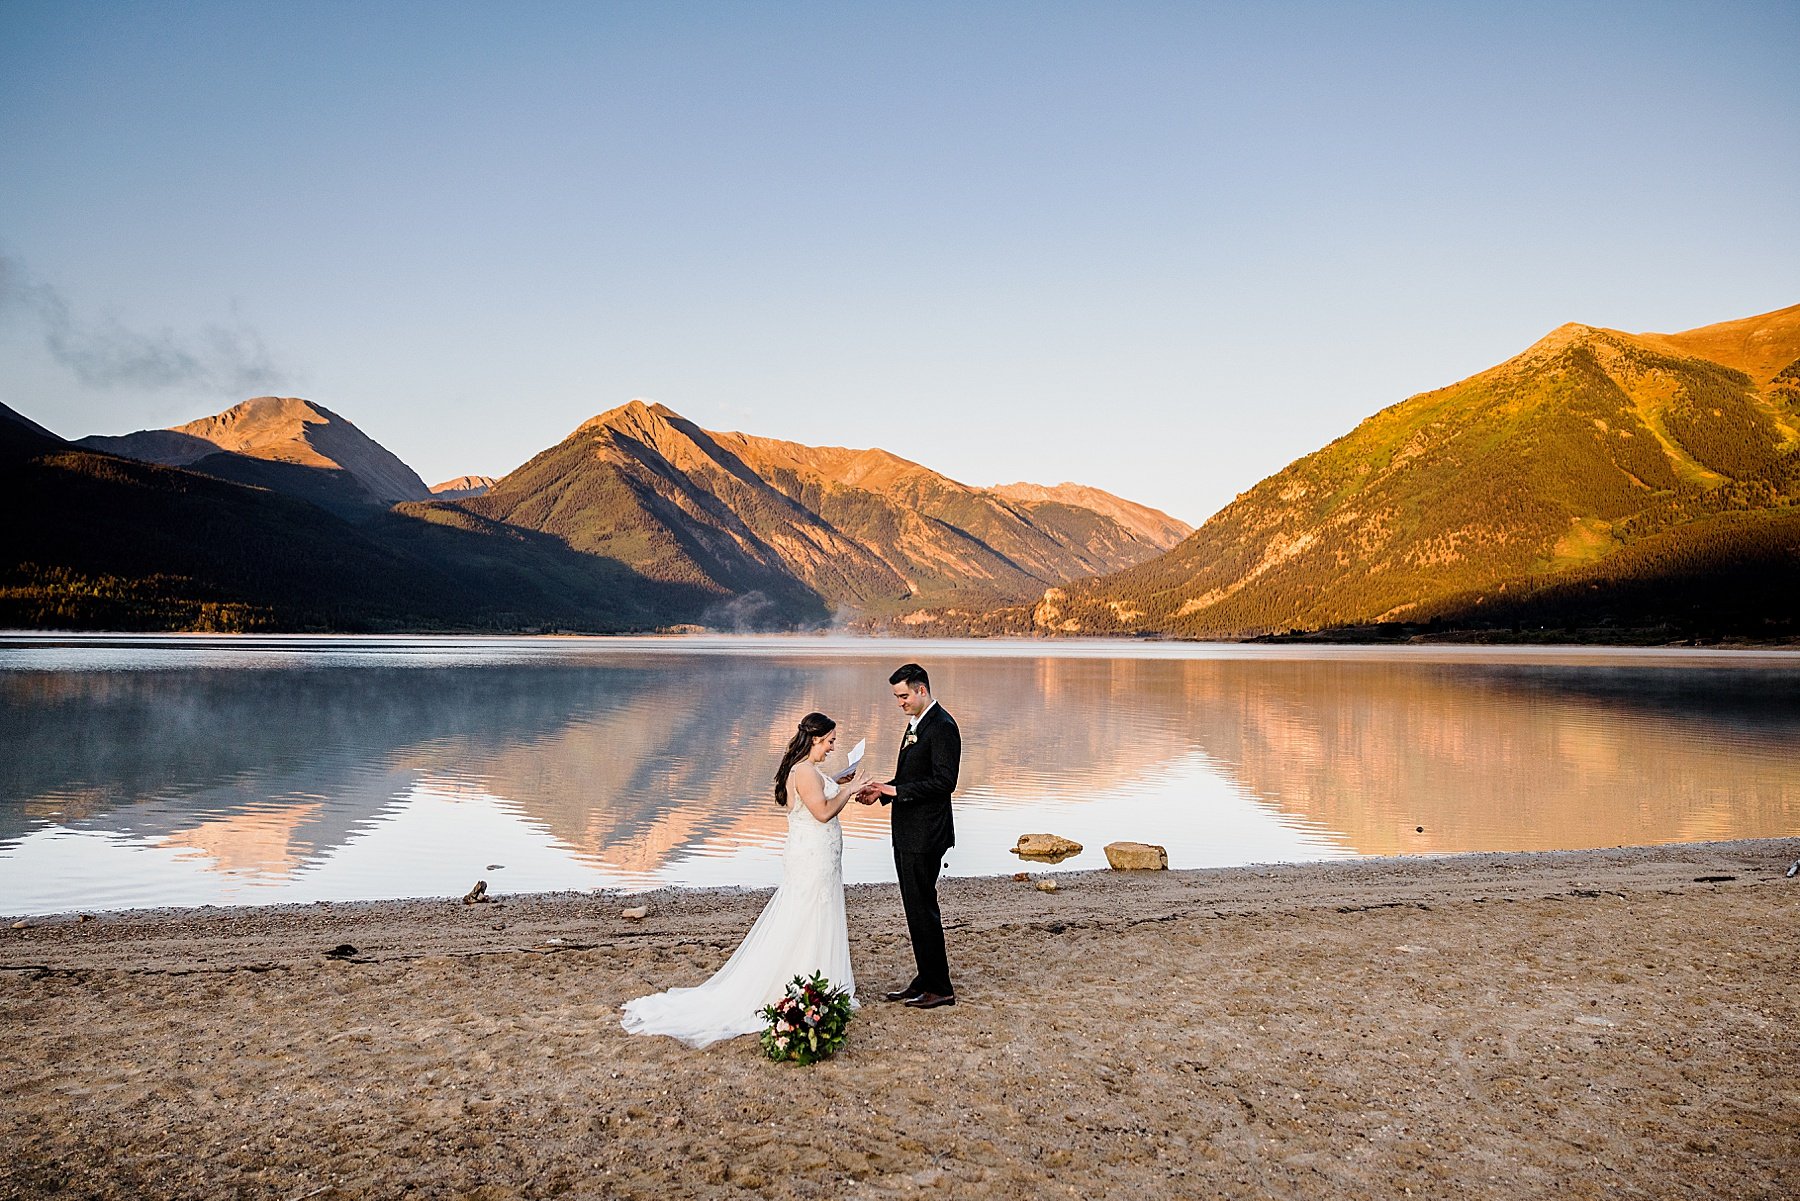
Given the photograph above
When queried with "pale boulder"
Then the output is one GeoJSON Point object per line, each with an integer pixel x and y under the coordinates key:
{"type": "Point", "coordinates": [1046, 846]}
{"type": "Point", "coordinates": [1136, 856]}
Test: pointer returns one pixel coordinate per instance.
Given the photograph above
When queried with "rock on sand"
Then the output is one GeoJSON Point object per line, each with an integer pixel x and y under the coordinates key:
{"type": "Point", "coordinates": [1136, 856]}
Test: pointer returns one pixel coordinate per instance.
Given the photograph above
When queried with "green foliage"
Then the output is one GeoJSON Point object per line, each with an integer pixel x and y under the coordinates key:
{"type": "Point", "coordinates": [1715, 419]}
{"type": "Point", "coordinates": [37, 597]}
{"type": "Point", "coordinates": [1724, 574]}
{"type": "Point", "coordinates": [1785, 387]}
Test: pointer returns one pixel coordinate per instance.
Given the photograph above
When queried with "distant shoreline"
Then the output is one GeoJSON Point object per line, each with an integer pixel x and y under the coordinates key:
{"type": "Point", "coordinates": [732, 896]}
{"type": "Point", "coordinates": [1349, 639]}
{"type": "Point", "coordinates": [1367, 636]}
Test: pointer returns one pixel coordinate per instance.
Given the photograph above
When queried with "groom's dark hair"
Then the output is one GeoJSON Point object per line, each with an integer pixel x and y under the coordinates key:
{"type": "Point", "coordinates": [912, 675]}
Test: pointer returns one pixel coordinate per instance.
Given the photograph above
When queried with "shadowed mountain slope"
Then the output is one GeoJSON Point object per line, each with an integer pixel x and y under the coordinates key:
{"type": "Point", "coordinates": [10, 416]}
{"type": "Point", "coordinates": [282, 443]}
{"type": "Point", "coordinates": [95, 541]}
{"type": "Point", "coordinates": [639, 520]}
{"type": "Point", "coordinates": [1593, 456]}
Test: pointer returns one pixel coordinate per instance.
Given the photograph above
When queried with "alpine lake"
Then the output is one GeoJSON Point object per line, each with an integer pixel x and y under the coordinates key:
{"type": "Point", "coordinates": [193, 770]}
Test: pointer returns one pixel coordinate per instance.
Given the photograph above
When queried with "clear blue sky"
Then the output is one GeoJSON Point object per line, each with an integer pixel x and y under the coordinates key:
{"type": "Point", "coordinates": [1159, 248]}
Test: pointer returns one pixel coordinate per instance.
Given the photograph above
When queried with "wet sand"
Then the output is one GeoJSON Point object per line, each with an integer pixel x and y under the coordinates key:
{"type": "Point", "coordinates": [1611, 1023]}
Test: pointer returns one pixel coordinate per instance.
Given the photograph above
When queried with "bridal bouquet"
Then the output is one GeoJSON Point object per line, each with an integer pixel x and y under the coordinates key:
{"type": "Point", "coordinates": [809, 1023]}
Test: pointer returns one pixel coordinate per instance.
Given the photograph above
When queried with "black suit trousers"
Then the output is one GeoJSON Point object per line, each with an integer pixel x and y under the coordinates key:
{"type": "Point", "coordinates": [918, 873]}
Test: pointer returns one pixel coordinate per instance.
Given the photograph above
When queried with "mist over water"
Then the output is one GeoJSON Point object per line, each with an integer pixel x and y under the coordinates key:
{"type": "Point", "coordinates": [177, 770]}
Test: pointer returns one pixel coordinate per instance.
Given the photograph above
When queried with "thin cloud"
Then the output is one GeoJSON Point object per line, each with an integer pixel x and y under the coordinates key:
{"type": "Point", "coordinates": [227, 359]}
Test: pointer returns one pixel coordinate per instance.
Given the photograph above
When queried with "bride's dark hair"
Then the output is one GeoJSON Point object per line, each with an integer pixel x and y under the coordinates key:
{"type": "Point", "coordinates": [813, 725]}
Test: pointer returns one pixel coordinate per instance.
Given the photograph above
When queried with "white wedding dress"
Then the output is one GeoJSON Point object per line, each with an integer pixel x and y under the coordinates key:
{"type": "Point", "coordinates": [802, 930]}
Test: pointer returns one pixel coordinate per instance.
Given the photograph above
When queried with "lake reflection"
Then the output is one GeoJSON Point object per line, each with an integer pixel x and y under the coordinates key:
{"type": "Point", "coordinates": [145, 771]}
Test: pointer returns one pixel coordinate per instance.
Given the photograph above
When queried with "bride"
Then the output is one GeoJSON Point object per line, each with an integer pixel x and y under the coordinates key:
{"type": "Point", "coordinates": [802, 930]}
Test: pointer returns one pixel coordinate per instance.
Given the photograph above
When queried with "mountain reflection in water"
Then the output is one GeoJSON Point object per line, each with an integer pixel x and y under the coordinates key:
{"type": "Point", "coordinates": [176, 775]}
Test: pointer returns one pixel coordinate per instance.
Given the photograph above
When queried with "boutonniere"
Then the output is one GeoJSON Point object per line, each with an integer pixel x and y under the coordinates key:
{"type": "Point", "coordinates": [912, 736]}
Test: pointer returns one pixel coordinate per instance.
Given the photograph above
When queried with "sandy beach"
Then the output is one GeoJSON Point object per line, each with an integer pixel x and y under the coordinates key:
{"type": "Point", "coordinates": [1610, 1023]}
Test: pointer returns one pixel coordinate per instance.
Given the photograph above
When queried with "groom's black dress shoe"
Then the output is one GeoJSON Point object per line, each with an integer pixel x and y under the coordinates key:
{"type": "Point", "coordinates": [930, 1000]}
{"type": "Point", "coordinates": [902, 994]}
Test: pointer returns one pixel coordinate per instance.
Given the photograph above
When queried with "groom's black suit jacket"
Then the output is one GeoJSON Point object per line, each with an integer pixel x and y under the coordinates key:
{"type": "Point", "coordinates": [923, 780]}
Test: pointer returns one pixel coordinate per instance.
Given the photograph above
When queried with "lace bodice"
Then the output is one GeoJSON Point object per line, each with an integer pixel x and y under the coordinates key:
{"type": "Point", "coordinates": [814, 852]}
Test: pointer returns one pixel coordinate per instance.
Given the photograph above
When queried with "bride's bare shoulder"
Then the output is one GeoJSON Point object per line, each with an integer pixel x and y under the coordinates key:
{"type": "Point", "coordinates": [808, 784]}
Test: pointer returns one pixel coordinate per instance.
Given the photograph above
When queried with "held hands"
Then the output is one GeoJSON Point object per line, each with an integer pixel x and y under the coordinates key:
{"type": "Point", "coordinates": [864, 789]}
{"type": "Point", "coordinates": [867, 791]}
{"type": "Point", "coordinates": [868, 794]}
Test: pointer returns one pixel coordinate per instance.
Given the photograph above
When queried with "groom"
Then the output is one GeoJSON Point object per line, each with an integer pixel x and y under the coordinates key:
{"type": "Point", "coordinates": [924, 778]}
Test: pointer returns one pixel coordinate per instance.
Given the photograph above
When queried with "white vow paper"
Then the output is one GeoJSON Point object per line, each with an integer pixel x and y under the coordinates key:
{"type": "Point", "coordinates": [856, 754]}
